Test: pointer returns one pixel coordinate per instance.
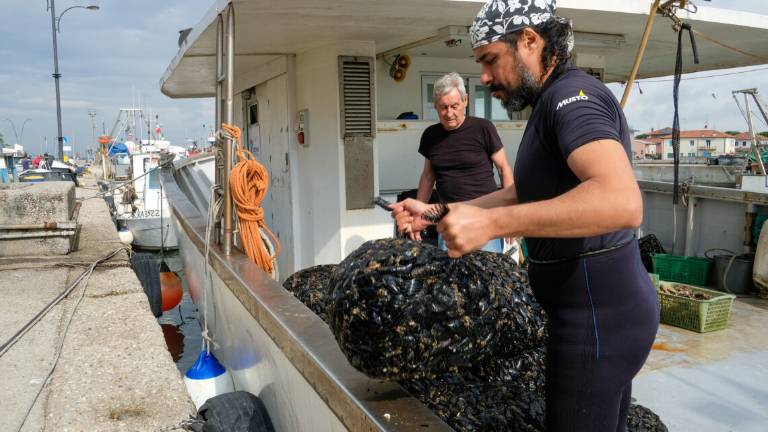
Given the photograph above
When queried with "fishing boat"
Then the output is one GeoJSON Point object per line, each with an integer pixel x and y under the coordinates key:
{"type": "Point", "coordinates": [317, 88]}
{"type": "Point", "coordinates": [141, 206]}
{"type": "Point", "coordinates": [137, 201]}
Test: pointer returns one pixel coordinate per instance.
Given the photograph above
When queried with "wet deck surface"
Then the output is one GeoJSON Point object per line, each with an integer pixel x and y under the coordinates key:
{"type": "Point", "coordinates": [712, 381]}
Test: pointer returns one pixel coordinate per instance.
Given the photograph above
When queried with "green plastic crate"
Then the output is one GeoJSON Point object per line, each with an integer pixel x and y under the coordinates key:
{"type": "Point", "coordinates": [675, 268]}
{"type": "Point", "coordinates": [697, 315]}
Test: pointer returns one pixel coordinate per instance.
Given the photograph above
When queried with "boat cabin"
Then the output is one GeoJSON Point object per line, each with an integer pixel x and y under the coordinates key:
{"type": "Point", "coordinates": [333, 95]}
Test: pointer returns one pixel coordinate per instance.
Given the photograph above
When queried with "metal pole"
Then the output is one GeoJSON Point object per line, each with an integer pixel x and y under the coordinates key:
{"type": "Point", "coordinates": [759, 105]}
{"type": "Point", "coordinates": [218, 141]}
{"type": "Point", "coordinates": [755, 146]}
{"type": "Point", "coordinates": [640, 52]}
{"type": "Point", "coordinates": [690, 229]}
{"type": "Point", "coordinates": [56, 76]}
{"type": "Point", "coordinates": [92, 114]}
{"type": "Point", "coordinates": [229, 118]}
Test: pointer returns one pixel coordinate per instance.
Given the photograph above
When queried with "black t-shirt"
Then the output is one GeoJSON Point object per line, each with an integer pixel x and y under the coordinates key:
{"type": "Point", "coordinates": [574, 109]}
{"type": "Point", "coordinates": [461, 158]}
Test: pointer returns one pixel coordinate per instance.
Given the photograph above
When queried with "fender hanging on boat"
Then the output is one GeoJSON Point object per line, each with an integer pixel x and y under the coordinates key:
{"type": "Point", "coordinates": [207, 378]}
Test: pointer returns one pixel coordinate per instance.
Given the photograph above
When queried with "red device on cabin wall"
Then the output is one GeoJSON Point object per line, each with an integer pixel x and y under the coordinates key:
{"type": "Point", "coordinates": [302, 128]}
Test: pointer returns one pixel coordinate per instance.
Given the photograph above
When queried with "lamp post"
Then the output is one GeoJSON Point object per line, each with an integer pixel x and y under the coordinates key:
{"type": "Point", "coordinates": [19, 136]}
{"type": "Point", "coordinates": [56, 75]}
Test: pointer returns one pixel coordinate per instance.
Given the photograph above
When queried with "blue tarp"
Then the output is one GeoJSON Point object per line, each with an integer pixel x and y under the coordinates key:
{"type": "Point", "coordinates": [117, 148]}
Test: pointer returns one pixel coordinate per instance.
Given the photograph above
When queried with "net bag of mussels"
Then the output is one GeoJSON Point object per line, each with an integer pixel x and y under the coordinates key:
{"type": "Point", "coordinates": [403, 310]}
{"type": "Point", "coordinates": [310, 286]}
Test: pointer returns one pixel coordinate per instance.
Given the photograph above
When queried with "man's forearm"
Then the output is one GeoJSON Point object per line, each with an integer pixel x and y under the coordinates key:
{"type": "Point", "coordinates": [426, 183]}
{"type": "Point", "coordinates": [500, 198]}
{"type": "Point", "coordinates": [589, 209]}
{"type": "Point", "coordinates": [506, 178]}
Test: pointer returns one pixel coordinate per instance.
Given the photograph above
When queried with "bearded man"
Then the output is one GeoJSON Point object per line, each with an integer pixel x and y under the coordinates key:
{"type": "Point", "coordinates": [576, 201]}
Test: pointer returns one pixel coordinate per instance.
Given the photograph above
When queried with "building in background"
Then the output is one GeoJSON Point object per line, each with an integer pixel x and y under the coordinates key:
{"type": "Point", "coordinates": [744, 141]}
{"type": "Point", "coordinates": [699, 143]}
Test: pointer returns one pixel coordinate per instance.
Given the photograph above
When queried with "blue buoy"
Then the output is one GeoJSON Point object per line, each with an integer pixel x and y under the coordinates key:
{"type": "Point", "coordinates": [207, 378]}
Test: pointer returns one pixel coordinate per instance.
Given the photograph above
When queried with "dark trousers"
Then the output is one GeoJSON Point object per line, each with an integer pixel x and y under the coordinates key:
{"type": "Point", "coordinates": [603, 317]}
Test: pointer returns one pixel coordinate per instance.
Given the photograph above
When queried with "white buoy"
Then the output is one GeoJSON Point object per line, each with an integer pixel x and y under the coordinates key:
{"type": "Point", "coordinates": [126, 237]}
{"type": "Point", "coordinates": [206, 379]}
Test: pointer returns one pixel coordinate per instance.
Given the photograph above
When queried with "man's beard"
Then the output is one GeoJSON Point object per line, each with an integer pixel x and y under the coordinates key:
{"type": "Point", "coordinates": [526, 93]}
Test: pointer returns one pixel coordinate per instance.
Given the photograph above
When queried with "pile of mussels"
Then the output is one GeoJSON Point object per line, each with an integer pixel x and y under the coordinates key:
{"type": "Point", "coordinates": [401, 310]}
{"type": "Point", "coordinates": [465, 336]}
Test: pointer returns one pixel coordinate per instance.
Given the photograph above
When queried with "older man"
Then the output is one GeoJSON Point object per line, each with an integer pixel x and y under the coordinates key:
{"type": "Point", "coordinates": [576, 201]}
{"type": "Point", "coordinates": [459, 154]}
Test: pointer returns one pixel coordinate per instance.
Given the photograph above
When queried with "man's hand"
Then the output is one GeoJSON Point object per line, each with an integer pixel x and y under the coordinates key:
{"type": "Point", "coordinates": [407, 215]}
{"type": "Point", "coordinates": [465, 229]}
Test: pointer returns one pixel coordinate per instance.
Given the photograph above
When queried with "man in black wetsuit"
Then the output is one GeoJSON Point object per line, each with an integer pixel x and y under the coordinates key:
{"type": "Point", "coordinates": [576, 201]}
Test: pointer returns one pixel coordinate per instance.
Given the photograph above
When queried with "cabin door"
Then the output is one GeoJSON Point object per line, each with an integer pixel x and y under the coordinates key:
{"type": "Point", "coordinates": [274, 152]}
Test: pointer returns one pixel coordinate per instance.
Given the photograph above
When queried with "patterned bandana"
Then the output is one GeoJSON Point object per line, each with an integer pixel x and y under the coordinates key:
{"type": "Point", "coordinates": [497, 18]}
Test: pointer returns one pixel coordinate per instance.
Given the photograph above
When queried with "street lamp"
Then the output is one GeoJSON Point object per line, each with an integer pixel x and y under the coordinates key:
{"type": "Point", "coordinates": [56, 75]}
{"type": "Point", "coordinates": [58, 20]}
{"type": "Point", "coordinates": [92, 114]}
{"type": "Point", "coordinates": [19, 137]}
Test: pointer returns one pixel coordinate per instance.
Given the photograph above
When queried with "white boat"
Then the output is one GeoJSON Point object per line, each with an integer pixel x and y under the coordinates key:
{"type": "Point", "coordinates": [296, 65]}
{"type": "Point", "coordinates": [141, 206]}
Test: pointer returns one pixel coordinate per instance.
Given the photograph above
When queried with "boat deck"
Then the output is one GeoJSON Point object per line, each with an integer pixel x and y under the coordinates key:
{"type": "Point", "coordinates": [713, 381]}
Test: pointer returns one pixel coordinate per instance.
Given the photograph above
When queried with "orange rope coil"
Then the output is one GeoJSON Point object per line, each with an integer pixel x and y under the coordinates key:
{"type": "Point", "coordinates": [248, 183]}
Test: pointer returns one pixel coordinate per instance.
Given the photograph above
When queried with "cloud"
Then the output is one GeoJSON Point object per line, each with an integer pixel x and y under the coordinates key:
{"type": "Point", "coordinates": [114, 57]}
{"type": "Point", "coordinates": [703, 101]}
{"type": "Point", "coordinates": [110, 58]}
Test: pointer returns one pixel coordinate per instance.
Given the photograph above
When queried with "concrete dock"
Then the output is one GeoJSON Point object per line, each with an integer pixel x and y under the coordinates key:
{"type": "Point", "coordinates": [114, 371]}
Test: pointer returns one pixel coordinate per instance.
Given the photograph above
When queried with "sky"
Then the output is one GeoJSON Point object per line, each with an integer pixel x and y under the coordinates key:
{"type": "Point", "coordinates": [114, 57]}
{"type": "Point", "coordinates": [109, 59]}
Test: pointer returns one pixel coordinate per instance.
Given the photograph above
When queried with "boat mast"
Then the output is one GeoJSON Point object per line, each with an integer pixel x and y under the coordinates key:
{"type": "Point", "coordinates": [748, 117]}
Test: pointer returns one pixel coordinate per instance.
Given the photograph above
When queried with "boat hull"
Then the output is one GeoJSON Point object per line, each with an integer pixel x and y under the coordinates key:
{"type": "Point", "coordinates": [147, 232]}
{"type": "Point", "coordinates": [275, 347]}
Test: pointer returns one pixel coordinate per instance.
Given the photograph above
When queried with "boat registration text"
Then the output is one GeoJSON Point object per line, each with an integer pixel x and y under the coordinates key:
{"type": "Point", "coordinates": [148, 213]}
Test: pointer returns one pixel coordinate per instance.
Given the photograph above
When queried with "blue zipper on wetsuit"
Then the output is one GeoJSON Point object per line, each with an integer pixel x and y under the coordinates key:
{"type": "Point", "coordinates": [592, 306]}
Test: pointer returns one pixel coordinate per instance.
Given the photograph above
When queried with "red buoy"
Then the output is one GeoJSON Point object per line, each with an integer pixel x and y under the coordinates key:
{"type": "Point", "coordinates": [171, 290]}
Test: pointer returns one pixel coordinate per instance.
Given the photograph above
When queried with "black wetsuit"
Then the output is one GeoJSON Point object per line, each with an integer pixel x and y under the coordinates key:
{"type": "Point", "coordinates": [602, 306]}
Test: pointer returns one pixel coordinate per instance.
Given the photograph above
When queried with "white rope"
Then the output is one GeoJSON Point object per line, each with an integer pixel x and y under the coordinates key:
{"type": "Point", "coordinates": [214, 208]}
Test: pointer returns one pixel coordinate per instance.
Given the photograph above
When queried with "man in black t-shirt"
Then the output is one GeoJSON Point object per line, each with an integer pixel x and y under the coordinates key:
{"type": "Point", "coordinates": [460, 153]}
{"type": "Point", "coordinates": [576, 201]}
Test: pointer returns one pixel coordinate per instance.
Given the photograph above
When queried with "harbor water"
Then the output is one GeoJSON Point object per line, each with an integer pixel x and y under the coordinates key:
{"type": "Point", "coordinates": [180, 325]}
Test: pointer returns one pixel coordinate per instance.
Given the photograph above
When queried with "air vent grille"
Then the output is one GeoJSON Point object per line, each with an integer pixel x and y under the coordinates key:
{"type": "Point", "coordinates": [357, 94]}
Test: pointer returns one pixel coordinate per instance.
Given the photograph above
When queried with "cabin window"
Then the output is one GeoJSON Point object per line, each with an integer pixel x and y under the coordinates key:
{"type": "Point", "coordinates": [253, 114]}
{"type": "Point", "coordinates": [481, 103]}
{"type": "Point", "coordinates": [153, 180]}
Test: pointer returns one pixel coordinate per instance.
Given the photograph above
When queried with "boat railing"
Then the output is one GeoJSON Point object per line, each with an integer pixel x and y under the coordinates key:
{"type": "Point", "coordinates": [707, 217]}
